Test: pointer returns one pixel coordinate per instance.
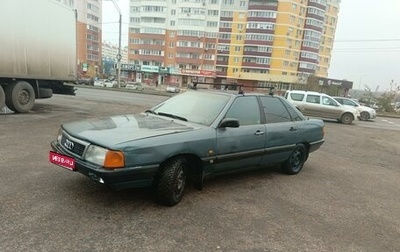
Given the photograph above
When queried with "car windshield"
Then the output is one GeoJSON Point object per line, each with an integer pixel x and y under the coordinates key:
{"type": "Point", "coordinates": [194, 106]}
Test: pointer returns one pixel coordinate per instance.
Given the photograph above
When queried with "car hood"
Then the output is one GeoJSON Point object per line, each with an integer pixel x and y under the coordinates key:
{"type": "Point", "coordinates": [365, 108]}
{"type": "Point", "coordinates": [111, 131]}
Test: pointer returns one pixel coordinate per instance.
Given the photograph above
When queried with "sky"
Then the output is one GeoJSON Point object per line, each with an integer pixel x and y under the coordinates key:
{"type": "Point", "coordinates": [366, 50]}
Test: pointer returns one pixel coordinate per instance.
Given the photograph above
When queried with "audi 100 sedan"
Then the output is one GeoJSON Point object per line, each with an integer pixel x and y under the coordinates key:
{"type": "Point", "coordinates": [188, 138]}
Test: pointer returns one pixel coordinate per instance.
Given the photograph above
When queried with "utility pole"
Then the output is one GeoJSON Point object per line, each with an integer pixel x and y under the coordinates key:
{"type": "Point", "coordinates": [119, 56]}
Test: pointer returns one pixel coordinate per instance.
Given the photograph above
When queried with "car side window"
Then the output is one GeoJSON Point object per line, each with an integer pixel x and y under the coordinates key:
{"type": "Point", "coordinates": [296, 97]}
{"type": "Point", "coordinates": [246, 110]}
{"type": "Point", "coordinates": [339, 100]}
{"type": "Point", "coordinates": [350, 103]}
{"type": "Point", "coordinates": [328, 101]}
{"type": "Point", "coordinates": [274, 110]}
{"type": "Point", "coordinates": [313, 99]}
{"type": "Point", "coordinates": [295, 114]}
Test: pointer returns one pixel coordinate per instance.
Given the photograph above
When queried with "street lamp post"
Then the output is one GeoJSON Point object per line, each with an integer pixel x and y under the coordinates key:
{"type": "Point", "coordinates": [119, 56]}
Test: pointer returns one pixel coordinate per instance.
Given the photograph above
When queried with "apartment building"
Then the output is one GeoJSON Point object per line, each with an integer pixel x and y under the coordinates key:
{"type": "Point", "coordinates": [89, 35]}
{"type": "Point", "coordinates": [251, 42]}
{"type": "Point", "coordinates": [109, 58]}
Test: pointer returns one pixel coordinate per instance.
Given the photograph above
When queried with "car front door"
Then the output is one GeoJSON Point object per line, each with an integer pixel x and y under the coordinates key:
{"type": "Point", "coordinates": [243, 146]}
{"type": "Point", "coordinates": [330, 107]}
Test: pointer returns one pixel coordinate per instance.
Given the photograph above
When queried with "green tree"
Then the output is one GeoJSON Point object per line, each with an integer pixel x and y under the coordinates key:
{"type": "Point", "coordinates": [312, 84]}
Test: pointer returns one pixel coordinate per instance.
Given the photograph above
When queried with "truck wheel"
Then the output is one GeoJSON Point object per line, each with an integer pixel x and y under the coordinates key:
{"type": "Point", "coordinates": [171, 184]}
{"type": "Point", "coordinates": [347, 118]}
{"type": "Point", "coordinates": [2, 98]}
{"type": "Point", "coordinates": [45, 93]}
{"type": "Point", "coordinates": [20, 96]}
{"type": "Point", "coordinates": [296, 160]}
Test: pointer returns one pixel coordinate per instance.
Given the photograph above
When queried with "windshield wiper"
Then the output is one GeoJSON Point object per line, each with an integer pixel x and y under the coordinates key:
{"type": "Point", "coordinates": [151, 112]}
{"type": "Point", "coordinates": [172, 116]}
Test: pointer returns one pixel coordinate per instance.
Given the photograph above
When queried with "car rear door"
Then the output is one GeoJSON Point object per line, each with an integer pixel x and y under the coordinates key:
{"type": "Point", "coordinates": [282, 132]}
{"type": "Point", "coordinates": [241, 147]}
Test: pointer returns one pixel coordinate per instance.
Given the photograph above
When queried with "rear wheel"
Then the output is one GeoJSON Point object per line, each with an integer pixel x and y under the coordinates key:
{"type": "Point", "coordinates": [172, 182]}
{"type": "Point", "coordinates": [20, 96]}
{"type": "Point", "coordinates": [347, 118]}
{"type": "Point", "coordinates": [364, 116]}
{"type": "Point", "coordinates": [296, 160]}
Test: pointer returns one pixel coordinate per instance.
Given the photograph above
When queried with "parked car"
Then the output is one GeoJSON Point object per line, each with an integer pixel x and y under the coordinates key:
{"type": "Point", "coordinates": [134, 86]}
{"type": "Point", "coordinates": [189, 137]}
{"type": "Point", "coordinates": [108, 83]}
{"type": "Point", "coordinates": [85, 81]}
{"type": "Point", "coordinates": [172, 89]}
{"type": "Point", "coordinates": [321, 105]}
{"type": "Point", "coordinates": [99, 83]}
{"type": "Point", "coordinates": [366, 113]}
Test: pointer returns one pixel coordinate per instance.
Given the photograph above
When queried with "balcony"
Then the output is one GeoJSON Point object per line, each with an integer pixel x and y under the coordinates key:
{"type": "Point", "coordinates": [256, 53]}
{"type": "Point", "coordinates": [317, 5]}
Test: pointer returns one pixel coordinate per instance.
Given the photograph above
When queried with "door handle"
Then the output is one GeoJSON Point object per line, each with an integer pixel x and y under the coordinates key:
{"type": "Point", "coordinates": [259, 132]}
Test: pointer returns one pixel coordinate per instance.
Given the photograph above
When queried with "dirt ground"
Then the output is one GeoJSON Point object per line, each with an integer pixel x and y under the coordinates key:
{"type": "Point", "coordinates": [345, 199]}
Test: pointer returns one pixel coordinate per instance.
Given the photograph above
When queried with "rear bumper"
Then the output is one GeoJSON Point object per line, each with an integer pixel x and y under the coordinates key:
{"type": "Point", "coordinates": [315, 145]}
{"type": "Point", "coordinates": [118, 179]}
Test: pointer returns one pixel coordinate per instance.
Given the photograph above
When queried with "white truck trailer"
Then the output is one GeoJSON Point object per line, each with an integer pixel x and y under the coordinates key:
{"type": "Point", "coordinates": [37, 52]}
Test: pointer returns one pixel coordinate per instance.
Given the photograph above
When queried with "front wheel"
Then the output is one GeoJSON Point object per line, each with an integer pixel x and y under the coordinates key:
{"type": "Point", "coordinates": [172, 182]}
{"type": "Point", "coordinates": [364, 116]}
{"type": "Point", "coordinates": [347, 118]}
{"type": "Point", "coordinates": [296, 160]}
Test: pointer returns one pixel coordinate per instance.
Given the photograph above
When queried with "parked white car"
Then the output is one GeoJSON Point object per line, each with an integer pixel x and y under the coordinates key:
{"type": "Point", "coordinates": [108, 83]}
{"type": "Point", "coordinates": [99, 83]}
{"type": "Point", "coordinates": [172, 89]}
{"type": "Point", "coordinates": [134, 86]}
{"type": "Point", "coordinates": [321, 105]}
{"type": "Point", "coordinates": [366, 113]}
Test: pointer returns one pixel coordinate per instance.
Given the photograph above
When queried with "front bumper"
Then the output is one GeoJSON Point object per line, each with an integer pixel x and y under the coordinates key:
{"type": "Point", "coordinates": [118, 179]}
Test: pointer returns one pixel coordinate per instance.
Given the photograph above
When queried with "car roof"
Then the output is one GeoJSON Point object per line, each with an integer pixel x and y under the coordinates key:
{"type": "Point", "coordinates": [304, 92]}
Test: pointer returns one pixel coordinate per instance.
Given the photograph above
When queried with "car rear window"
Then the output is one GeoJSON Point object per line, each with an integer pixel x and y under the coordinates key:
{"type": "Point", "coordinates": [296, 97]}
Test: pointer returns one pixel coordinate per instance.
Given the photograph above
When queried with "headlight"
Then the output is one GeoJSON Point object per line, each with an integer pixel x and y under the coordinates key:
{"type": "Point", "coordinates": [107, 158]}
{"type": "Point", "coordinates": [59, 136]}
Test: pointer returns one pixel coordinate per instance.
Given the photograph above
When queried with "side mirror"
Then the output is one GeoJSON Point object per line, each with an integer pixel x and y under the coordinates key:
{"type": "Point", "coordinates": [229, 123]}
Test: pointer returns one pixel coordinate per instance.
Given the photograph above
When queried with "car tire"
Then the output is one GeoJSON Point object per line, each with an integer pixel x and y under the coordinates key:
{"type": "Point", "coordinates": [20, 96]}
{"type": "Point", "coordinates": [364, 116]}
{"type": "Point", "coordinates": [172, 182]}
{"type": "Point", "coordinates": [347, 118]}
{"type": "Point", "coordinates": [296, 160]}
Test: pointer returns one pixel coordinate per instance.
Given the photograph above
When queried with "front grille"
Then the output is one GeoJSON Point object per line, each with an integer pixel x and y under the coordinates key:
{"type": "Point", "coordinates": [72, 145]}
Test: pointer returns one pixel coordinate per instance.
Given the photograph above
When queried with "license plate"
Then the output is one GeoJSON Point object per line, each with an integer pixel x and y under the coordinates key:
{"type": "Point", "coordinates": [62, 160]}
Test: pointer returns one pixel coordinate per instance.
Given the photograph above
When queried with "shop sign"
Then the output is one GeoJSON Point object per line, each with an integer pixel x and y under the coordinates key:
{"type": "Point", "coordinates": [153, 69]}
{"type": "Point", "coordinates": [163, 70]}
{"type": "Point", "coordinates": [190, 71]}
{"type": "Point", "coordinates": [132, 67]}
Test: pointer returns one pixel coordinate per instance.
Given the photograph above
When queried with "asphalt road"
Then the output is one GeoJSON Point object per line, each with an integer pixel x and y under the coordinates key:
{"type": "Point", "coordinates": [345, 199]}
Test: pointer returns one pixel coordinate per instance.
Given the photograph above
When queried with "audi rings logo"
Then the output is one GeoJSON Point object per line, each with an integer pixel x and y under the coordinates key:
{"type": "Point", "coordinates": [69, 144]}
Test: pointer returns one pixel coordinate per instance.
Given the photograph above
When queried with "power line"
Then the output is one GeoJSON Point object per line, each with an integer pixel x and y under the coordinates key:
{"type": "Point", "coordinates": [367, 40]}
